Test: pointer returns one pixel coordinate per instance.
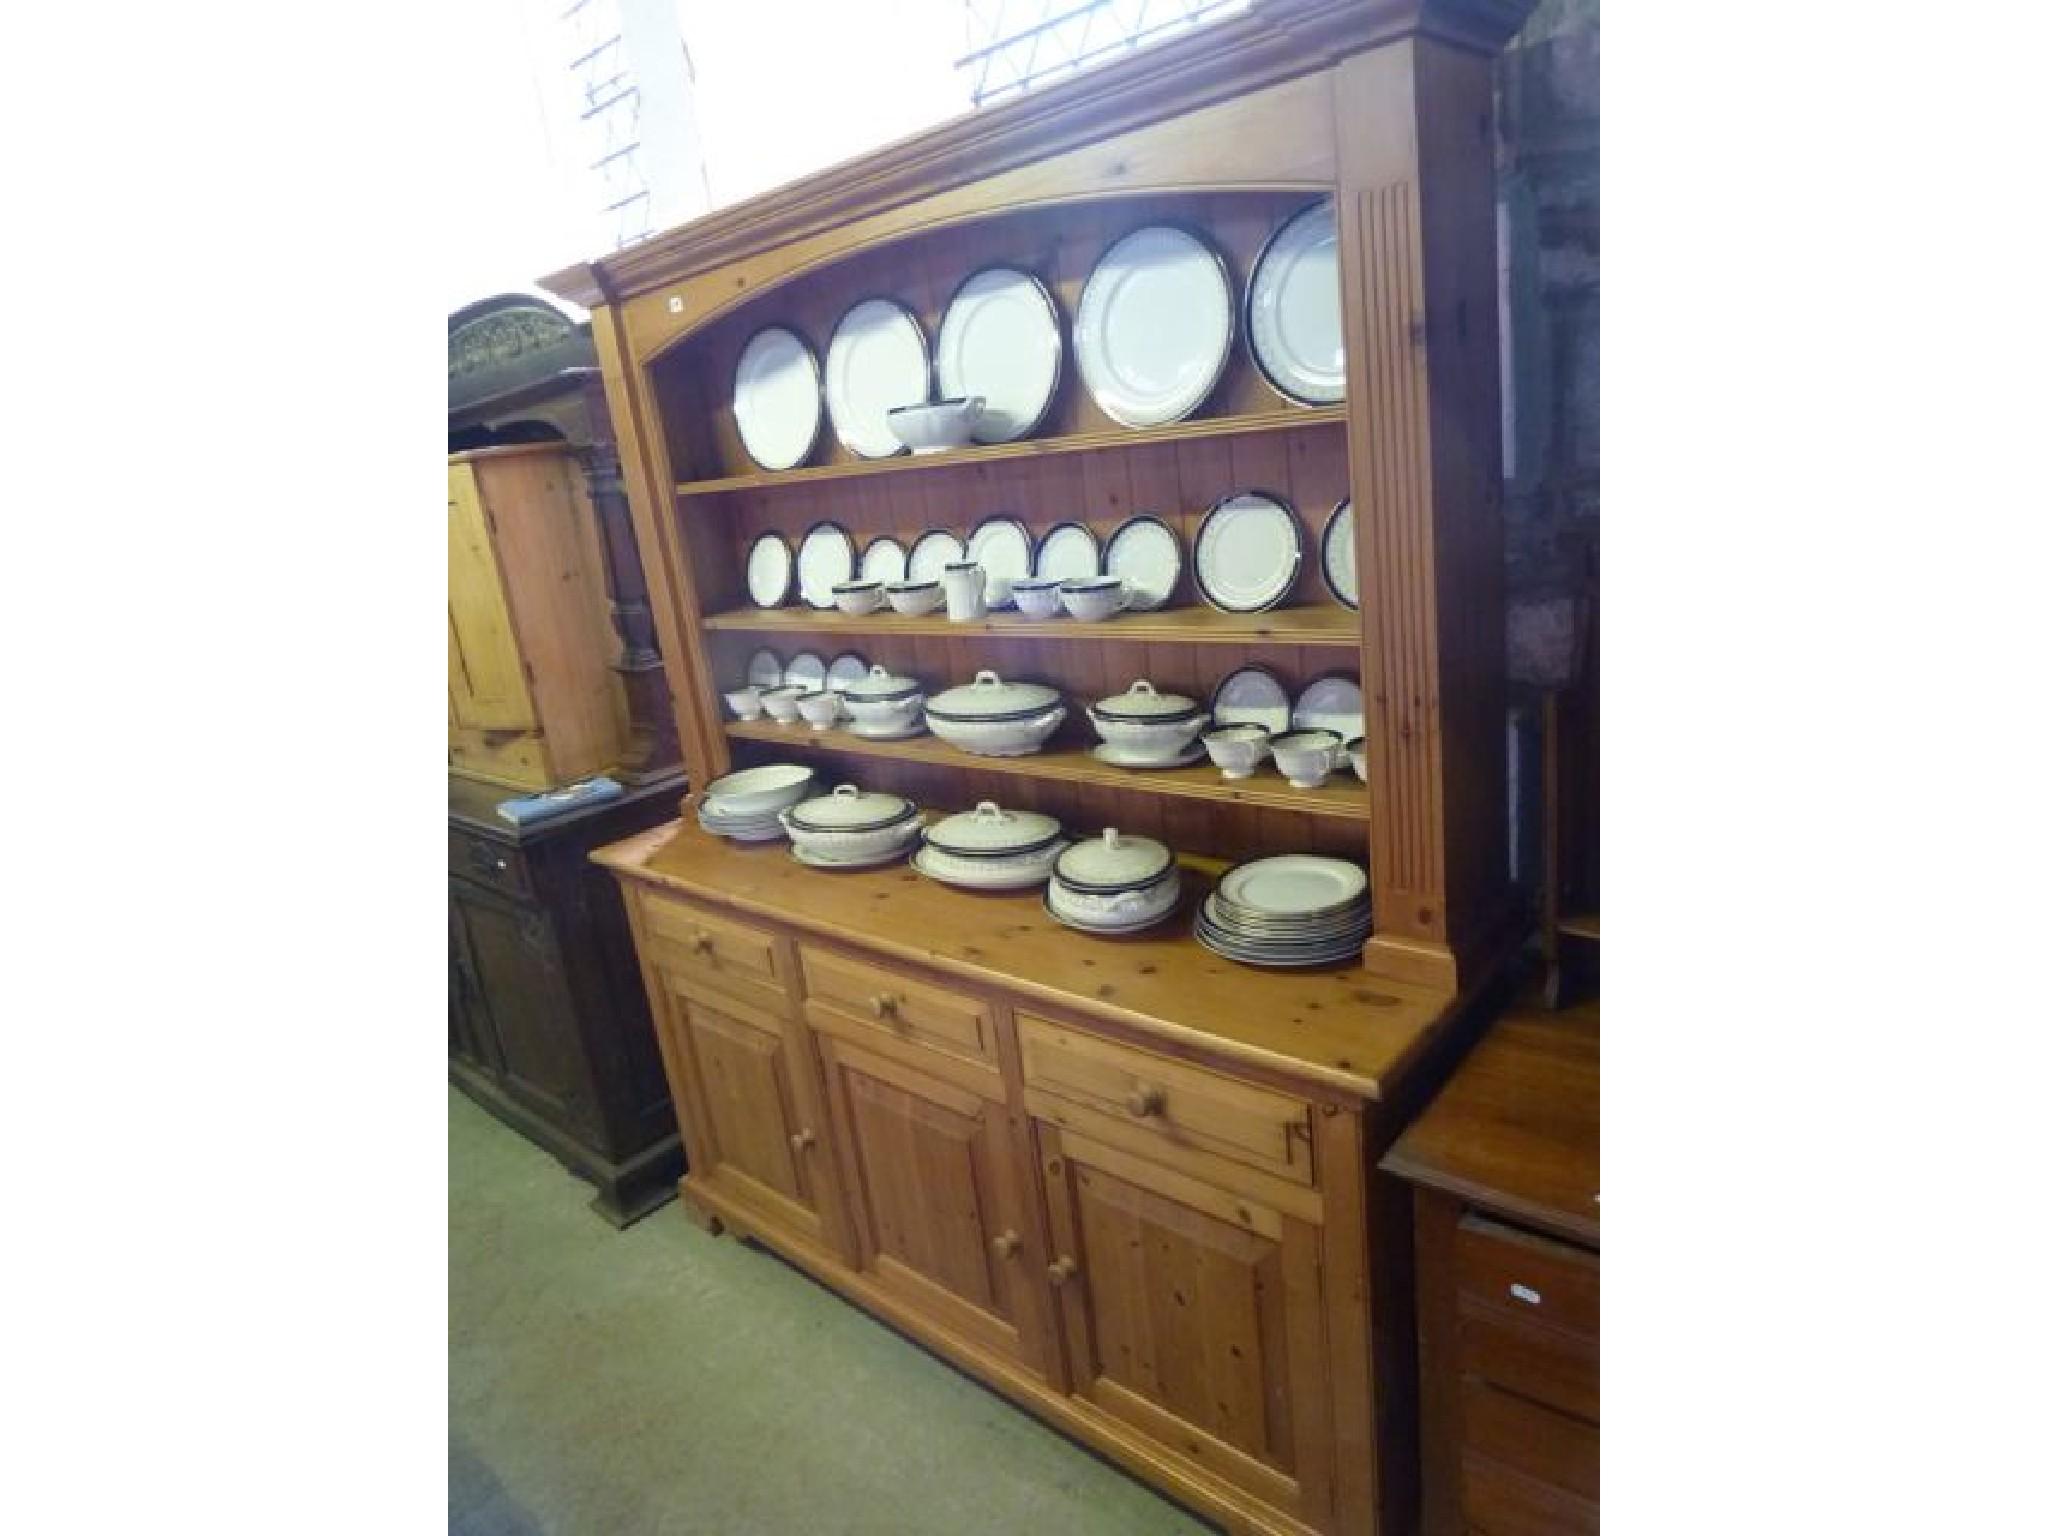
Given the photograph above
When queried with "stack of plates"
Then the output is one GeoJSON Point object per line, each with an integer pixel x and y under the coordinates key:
{"type": "Point", "coordinates": [1296, 909]}
{"type": "Point", "coordinates": [745, 805]}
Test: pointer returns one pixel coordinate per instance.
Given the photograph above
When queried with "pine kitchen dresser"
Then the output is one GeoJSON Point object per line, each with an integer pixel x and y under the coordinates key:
{"type": "Point", "coordinates": [1128, 1184]}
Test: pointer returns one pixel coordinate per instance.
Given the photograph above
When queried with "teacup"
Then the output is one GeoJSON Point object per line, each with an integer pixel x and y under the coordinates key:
{"type": "Point", "coordinates": [745, 702]}
{"type": "Point", "coordinates": [781, 702]}
{"type": "Point", "coordinates": [1237, 749]}
{"type": "Point", "coordinates": [1037, 597]}
{"type": "Point", "coordinates": [857, 597]}
{"type": "Point", "coordinates": [1093, 598]}
{"type": "Point", "coordinates": [1355, 750]}
{"type": "Point", "coordinates": [820, 709]}
{"type": "Point", "coordinates": [1307, 757]}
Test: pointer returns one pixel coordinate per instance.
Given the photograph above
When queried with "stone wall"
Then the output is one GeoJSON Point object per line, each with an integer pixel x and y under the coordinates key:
{"type": "Point", "coordinates": [1548, 89]}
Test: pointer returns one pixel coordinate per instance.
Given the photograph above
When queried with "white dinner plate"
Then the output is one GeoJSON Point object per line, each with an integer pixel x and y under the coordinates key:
{"type": "Point", "coordinates": [1293, 884]}
{"type": "Point", "coordinates": [1000, 339]}
{"type": "Point", "coordinates": [1248, 553]}
{"type": "Point", "coordinates": [769, 568]}
{"type": "Point", "coordinates": [764, 669]}
{"type": "Point", "coordinates": [847, 667]}
{"type": "Point", "coordinates": [1146, 552]}
{"type": "Point", "coordinates": [823, 560]}
{"type": "Point", "coordinates": [1001, 546]}
{"type": "Point", "coordinates": [1291, 309]}
{"type": "Point", "coordinates": [1331, 703]}
{"type": "Point", "coordinates": [883, 560]}
{"type": "Point", "coordinates": [934, 550]}
{"type": "Point", "coordinates": [1250, 696]}
{"type": "Point", "coordinates": [1340, 555]}
{"type": "Point", "coordinates": [777, 400]}
{"type": "Point", "coordinates": [1068, 550]}
{"type": "Point", "coordinates": [875, 362]}
{"type": "Point", "coordinates": [806, 667]}
{"type": "Point", "coordinates": [1154, 326]}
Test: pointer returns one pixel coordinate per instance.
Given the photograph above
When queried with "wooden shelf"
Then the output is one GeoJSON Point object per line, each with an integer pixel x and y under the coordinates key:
{"type": "Point", "coordinates": [1324, 624]}
{"type": "Point", "coordinates": [1340, 797]}
{"type": "Point", "coordinates": [1299, 419]}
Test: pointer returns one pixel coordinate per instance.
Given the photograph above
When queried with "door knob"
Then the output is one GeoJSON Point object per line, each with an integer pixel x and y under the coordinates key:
{"type": "Point", "coordinates": [1061, 1270]}
{"type": "Point", "coordinates": [1145, 1099]}
{"type": "Point", "coordinates": [803, 1140]}
{"type": "Point", "coordinates": [1005, 1244]}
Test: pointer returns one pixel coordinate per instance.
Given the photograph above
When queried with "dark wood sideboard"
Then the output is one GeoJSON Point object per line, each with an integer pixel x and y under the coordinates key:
{"type": "Point", "coordinates": [547, 1023]}
{"type": "Point", "coordinates": [1506, 1169]}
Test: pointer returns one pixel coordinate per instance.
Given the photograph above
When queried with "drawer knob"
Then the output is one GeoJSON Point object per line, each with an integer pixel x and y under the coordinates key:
{"type": "Point", "coordinates": [1526, 1293]}
{"type": "Point", "coordinates": [1061, 1270]}
{"type": "Point", "coordinates": [885, 1006]}
{"type": "Point", "coordinates": [1146, 1099]}
{"type": "Point", "coordinates": [1006, 1244]}
{"type": "Point", "coordinates": [700, 942]}
{"type": "Point", "coordinates": [804, 1140]}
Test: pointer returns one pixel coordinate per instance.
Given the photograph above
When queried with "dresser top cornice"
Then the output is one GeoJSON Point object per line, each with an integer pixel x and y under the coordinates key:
{"type": "Point", "coordinates": [1270, 42]}
{"type": "Point", "coordinates": [1344, 1031]}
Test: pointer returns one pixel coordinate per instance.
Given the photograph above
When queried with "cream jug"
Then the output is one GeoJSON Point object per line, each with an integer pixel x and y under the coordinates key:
{"type": "Point", "coordinates": [966, 586]}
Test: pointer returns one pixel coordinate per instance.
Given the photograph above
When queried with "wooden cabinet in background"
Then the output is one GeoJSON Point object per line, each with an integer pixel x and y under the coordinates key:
{"type": "Point", "coordinates": [532, 699]}
{"type": "Point", "coordinates": [1505, 1165]}
{"type": "Point", "coordinates": [547, 1023]}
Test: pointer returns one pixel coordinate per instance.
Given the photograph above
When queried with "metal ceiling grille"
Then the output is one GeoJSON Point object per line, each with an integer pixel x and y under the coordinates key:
{"type": "Point", "coordinates": [608, 111]}
{"type": "Point", "coordinates": [1014, 46]}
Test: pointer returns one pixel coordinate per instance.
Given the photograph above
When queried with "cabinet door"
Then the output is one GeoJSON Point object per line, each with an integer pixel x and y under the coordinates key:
{"type": "Point", "coordinates": [486, 680]}
{"type": "Point", "coordinates": [750, 1136]}
{"type": "Point", "coordinates": [518, 969]}
{"type": "Point", "coordinates": [1195, 1316]}
{"type": "Point", "coordinates": [469, 1028]}
{"type": "Point", "coordinates": [937, 1199]}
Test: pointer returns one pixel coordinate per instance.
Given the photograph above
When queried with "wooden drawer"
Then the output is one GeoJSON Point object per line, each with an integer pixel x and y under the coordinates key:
{"type": "Point", "coordinates": [881, 999]}
{"type": "Point", "coordinates": [1552, 1452]}
{"type": "Point", "coordinates": [1553, 1366]}
{"type": "Point", "coordinates": [705, 951]}
{"type": "Point", "coordinates": [471, 857]}
{"type": "Point", "coordinates": [1179, 1103]}
{"type": "Point", "coordinates": [1530, 1276]}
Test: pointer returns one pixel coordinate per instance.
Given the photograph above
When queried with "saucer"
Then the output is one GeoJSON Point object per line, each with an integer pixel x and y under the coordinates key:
{"type": "Point", "coordinates": [1118, 757]}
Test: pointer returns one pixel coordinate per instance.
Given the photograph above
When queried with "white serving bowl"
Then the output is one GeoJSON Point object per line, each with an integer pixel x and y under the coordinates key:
{"type": "Point", "coordinates": [1237, 749]}
{"type": "Point", "coordinates": [1355, 750]}
{"type": "Point", "coordinates": [1307, 757]}
{"type": "Point", "coordinates": [751, 793]}
{"type": "Point", "coordinates": [1142, 722]}
{"type": "Point", "coordinates": [1092, 599]}
{"type": "Point", "coordinates": [915, 598]}
{"type": "Point", "coordinates": [1037, 597]}
{"type": "Point", "coordinates": [781, 701]}
{"type": "Point", "coordinates": [857, 597]}
{"type": "Point", "coordinates": [938, 426]}
{"type": "Point", "coordinates": [821, 709]}
{"type": "Point", "coordinates": [745, 702]}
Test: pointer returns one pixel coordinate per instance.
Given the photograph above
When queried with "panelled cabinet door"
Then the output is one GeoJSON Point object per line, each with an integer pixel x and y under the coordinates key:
{"type": "Point", "coordinates": [752, 1138]}
{"type": "Point", "coordinates": [518, 970]}
{"type": "Point", "coordinates": [1194, 1316]}
{"type": "Point", "coordinates": [937, 1199]}
{"type": "Point", "coordinates": [486, 679]}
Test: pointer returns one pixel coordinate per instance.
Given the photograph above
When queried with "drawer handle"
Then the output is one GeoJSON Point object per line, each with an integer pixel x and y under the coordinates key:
{"type": "Point", "coordinates": [700, 942]}
{"type": "Point", "coordinates": [481, 858]}
{"type": "Point", "coordinates": [1527, 1293]}
{"type": "Point", "coordinates": [803, 1140]}
{"type": "Point", "coordinates": [1146, 1099]}
{"type": "Point", "coordinates": [1006, 1244]}
{"type": "Point", "coordinates": [1061, 1270]}
{"type": "Point", "coordinates": [885, 1007]}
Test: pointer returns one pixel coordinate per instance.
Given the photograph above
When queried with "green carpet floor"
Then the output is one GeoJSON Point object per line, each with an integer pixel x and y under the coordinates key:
{"type": "Point", "coordinates": [658, 1380]}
